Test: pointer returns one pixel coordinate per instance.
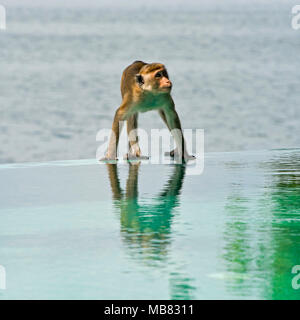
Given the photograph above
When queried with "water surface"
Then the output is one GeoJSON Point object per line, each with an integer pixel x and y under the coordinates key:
{"type": "Point", "coordinates": [82, 230]}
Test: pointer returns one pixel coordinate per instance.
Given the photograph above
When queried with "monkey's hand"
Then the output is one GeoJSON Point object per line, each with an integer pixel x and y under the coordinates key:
{"type": "Point", "coordinates": [128, 156]}
{"type": "Point", "coordinates": [135, 154]}
{"type": "Point", "coordinates": [174, 154]}
{"type": "Point", "coordinates": [108, 157]}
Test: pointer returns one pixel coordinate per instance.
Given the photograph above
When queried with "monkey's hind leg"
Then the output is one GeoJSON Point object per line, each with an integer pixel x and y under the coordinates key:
{"type": "Point", "coordinates": [117, 126]}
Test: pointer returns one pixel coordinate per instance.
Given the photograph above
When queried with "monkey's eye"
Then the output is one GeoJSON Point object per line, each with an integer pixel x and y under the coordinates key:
{"type": "Point", "coordinates": [158, 75]}
{"type": "Point", "coordinates": [139, 79]}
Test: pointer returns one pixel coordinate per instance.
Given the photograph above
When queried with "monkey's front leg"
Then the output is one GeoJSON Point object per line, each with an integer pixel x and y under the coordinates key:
{"type": "Point", "coordinates": [163, 116]}
{"type": "Point", "coordinates": [134, 148]}
{"type": "Point", "coordinates": [174, 125]}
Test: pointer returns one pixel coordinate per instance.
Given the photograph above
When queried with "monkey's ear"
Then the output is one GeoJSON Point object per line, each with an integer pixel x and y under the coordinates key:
{"type": "Point", "coordinates": [139, 79]}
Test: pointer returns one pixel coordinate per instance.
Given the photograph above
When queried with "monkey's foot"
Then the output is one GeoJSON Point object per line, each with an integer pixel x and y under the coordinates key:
{"type": "Point", "coordinates": [174, 154]}
{"type": "Point", "coordinates": [189, 157]}
{"type": "Point", "coordinates": [130, 156]}
{"type": "Point", "coordinates": [108, 158]}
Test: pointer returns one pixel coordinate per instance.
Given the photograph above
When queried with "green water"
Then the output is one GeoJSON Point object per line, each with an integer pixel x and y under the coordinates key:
{"type": "Point", "coordinates": [79, 230]}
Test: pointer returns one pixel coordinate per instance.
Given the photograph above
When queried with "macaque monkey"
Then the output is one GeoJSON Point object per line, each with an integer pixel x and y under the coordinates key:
{"type": "Point", "coordinates": [145, 87]}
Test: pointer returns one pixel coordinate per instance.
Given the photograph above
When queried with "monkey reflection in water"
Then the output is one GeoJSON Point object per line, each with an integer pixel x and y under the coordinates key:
{"type": "Point", "coordinates": [146, 227]}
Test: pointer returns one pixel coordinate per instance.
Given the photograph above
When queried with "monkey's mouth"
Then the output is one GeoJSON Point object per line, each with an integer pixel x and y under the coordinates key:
{"type": "Point", "coordinates": [167, 87]}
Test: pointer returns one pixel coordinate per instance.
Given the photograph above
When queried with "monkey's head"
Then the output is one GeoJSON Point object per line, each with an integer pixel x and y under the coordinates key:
{"type": "Point", "coordinates": [154, 78]}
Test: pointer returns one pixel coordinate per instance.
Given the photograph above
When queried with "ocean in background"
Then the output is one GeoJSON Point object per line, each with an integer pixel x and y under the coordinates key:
{"type": "Point", "coordinates": [234, 66]}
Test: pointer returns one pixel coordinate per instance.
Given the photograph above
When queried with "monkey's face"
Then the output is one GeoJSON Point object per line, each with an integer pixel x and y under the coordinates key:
{"type": "Point", "coordinates": [156, 81]}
